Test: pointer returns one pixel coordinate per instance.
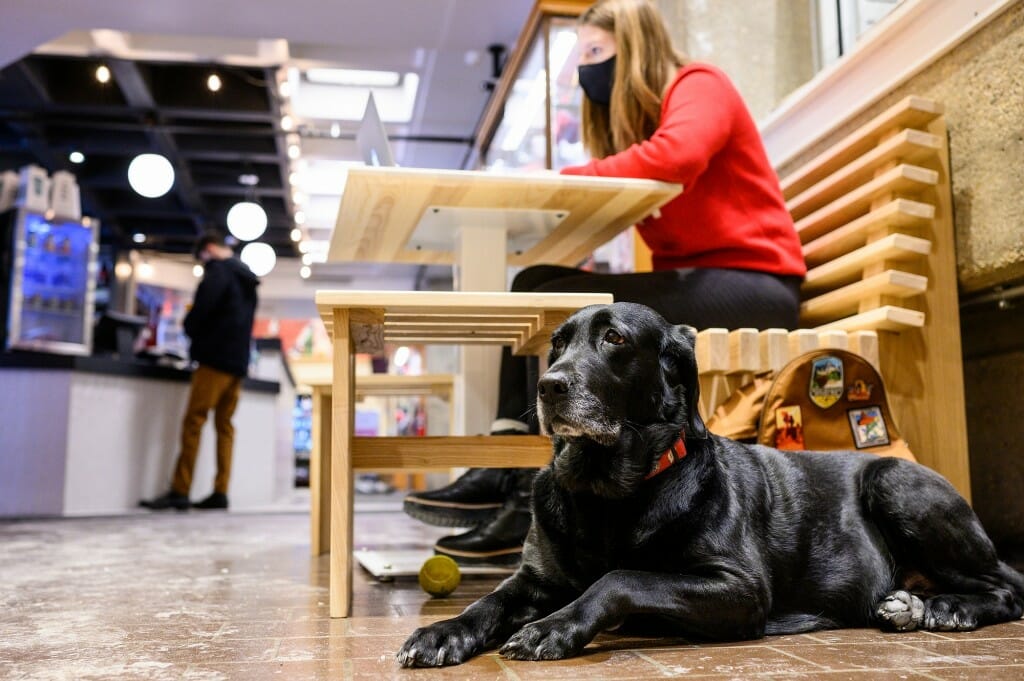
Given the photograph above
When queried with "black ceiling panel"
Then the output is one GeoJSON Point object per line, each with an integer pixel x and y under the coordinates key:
{"type": "Point", "coordinates": [52, 105]}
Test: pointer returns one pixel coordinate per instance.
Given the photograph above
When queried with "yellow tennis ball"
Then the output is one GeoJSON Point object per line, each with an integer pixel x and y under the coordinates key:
{"type": "Point", "coordinates": [439, 576]}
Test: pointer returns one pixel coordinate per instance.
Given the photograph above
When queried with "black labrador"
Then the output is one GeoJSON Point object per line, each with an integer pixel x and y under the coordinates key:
{"type": "Point", "coordinates": [645, 518]}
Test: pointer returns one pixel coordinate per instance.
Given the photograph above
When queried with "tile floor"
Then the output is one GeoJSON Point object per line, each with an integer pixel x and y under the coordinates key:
{"type": "Point", "coordinates": [236, 596]}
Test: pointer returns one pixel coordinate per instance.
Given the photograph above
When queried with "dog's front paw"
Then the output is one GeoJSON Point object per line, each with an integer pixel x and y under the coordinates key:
{"type": "Point", "coordinates": [552, 638]}
{"type": "Point", "coordinates": [444, 643]}
{"type": "Point", "coordinates": [902, 609]}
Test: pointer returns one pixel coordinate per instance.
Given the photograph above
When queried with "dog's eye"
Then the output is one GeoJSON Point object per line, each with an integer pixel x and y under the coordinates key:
{"type": "Point", "coordinates": [614, 337]}
{"type": "Point", "coordinates": [557, 344]}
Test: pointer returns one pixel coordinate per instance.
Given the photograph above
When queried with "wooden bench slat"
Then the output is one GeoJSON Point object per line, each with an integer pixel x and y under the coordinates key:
{"type": "Point", "coordinates": [903, 178]}
{"type": "Point", "coordinates": [885, 318]}
{"type": "Point", "coordinates": [844, 269]}
{"type": "Point", "coordinates": [911, 112]}
{"type": "Point", "coordinates": [898, 214]}
{"type": "Point", "coordinates": [845, 300]}
{"type": "Point", "coordinates": [909, 146]}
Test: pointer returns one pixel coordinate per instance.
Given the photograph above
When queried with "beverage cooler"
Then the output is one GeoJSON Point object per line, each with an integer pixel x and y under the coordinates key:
{"type": "Point", "coordinates": [49, 270]}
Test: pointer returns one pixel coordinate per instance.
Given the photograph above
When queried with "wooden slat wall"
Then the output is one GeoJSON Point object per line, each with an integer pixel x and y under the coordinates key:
{"type": "Point", "coordinates": [874, 214]}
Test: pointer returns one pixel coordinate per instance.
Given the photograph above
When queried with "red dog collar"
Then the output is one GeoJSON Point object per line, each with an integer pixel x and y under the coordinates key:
{"type": "Point", "coordinates": [674, 453]}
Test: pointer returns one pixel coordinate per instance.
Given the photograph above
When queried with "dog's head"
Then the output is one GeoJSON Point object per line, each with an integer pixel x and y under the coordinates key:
{"type": "Point", "coordinates": [621, 385]}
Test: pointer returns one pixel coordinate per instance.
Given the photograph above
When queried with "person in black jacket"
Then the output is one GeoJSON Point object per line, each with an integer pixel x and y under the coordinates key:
{"type": "Point", "coordinates": [220, 327]}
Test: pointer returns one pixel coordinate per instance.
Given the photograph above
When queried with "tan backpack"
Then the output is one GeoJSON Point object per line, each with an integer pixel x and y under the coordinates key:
{"type": "Point", "coordinates": [823, 400]}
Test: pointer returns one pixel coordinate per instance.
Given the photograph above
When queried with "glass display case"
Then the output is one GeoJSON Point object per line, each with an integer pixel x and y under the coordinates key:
{"type": "Point", "coordinates": [52, 279]}
{"type": "Point", "coordinates": [533, 120]}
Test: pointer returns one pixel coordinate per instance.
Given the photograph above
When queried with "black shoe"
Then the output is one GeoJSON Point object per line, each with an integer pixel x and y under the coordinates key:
{"type": "Point", "coordinates": [500, 542]}
{"type": "Point", "coordinates": [171, 499]}
{"type": "Point", "coordinates": [215, 500]}
{"type": "Point", "coordinates": [474, 499]}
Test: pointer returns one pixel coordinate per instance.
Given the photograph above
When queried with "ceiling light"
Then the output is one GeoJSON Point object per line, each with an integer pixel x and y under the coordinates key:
{"type": "Point", "coordinates": [335, 130]}
{"type": "Point", "coordinates": [304, 271]}
{"type": "Point", "coordinates": [151, 175]}
{"type": "Point", "coordinates": [303, 247]}
{"type": "Point", "coordinates": [355, 77]}
{"type": "Point", "coordinates": [300, 218]}
{"type": "Point", "coordinates": [287, 123]}
{"type": "Point", "coordinates": [76, 157]}
{"type": "Point", "coordinates": [103, 74]}
{"type": "Point", "coordinates": [299, 197]}
{"type": "Point", "coordinates": [145, 271]}
{"type": "Point", "coordinates": [296, 234]}
{"type": "Point", "coordinates": [307, 258]}
{"type": "Point", "coordinates": [285, 89]}
{"type": "Point", "coordinates": [123, 270]}
{"type": "Point", "coordinates": [214, 83]}
{"type": "Point", "coordinates": [247, 220]}
{"type": "Point", "coordinates": [294, 151]}
{"type": "Point", "coordinates": [197, 271]}
{"type": "Point", "coordinates": [139, 238]}
{"type": "Point", "coordinates": [260, 258]}
{"type": "Point", "coordinates": [294, 177]}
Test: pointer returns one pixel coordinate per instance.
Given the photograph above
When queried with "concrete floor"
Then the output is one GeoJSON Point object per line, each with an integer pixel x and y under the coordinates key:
{"type": "Point", "coordinates": [236, 596]}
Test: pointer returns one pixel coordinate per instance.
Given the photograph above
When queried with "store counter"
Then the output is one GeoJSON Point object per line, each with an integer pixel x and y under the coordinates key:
{"type": "Point", "coordinates": [93, 435]}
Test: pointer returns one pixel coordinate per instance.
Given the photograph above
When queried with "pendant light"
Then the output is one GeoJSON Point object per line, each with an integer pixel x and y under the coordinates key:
{"type": "Point", "coordinates": [247, 220]}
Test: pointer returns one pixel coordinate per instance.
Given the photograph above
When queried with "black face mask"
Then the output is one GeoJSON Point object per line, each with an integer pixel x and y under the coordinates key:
{"type": "Point", "coordinates": [596, 80]}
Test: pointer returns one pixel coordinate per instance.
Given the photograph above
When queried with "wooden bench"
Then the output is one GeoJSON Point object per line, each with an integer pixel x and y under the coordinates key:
{"type": "Point", "coordinates": [316, 377]}
{"type": "Point", "coordinates": [874, 215]}
{"type": "Point", "coordinates": [360, 321]}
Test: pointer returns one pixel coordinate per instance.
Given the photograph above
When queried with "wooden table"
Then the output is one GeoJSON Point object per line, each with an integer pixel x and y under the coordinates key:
{"type": "Point", "coordinates": [482, 223]}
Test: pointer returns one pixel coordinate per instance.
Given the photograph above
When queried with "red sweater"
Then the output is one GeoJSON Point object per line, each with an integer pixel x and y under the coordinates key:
{"type": "Point", "coordinates": [731, 212]}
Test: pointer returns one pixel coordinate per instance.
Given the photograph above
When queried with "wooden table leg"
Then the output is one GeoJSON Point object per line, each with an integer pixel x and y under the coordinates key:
{"type": "Point", "coordinates": [341, 492]}
{"type": "Point", "coordinates": [320, 474]}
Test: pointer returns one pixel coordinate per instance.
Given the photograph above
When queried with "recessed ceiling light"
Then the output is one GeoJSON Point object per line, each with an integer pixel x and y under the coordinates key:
{"type": "Point", "coordinates": [103, 73]}
{"type": "Point", "coordinates": [296, 234]}
{"type": "Point", "coordinates": [335, 130]}
{"type": "Point", "coordinates": [354, 77]}
{"type": "Point", "coordinates": [304, 271]}
{"type": "Point", "coordinates": [139, 237]}
{"type": "Point", "coordinates": [300, 218]}
{"type": "Point", "coordinates": [299, 197]}
{"type": "Point", "coordinates": [285, 89]}
{"type": "Point", "coordinates": [76, 157]}
{"type": "Point", "coordinates": [214, 83]}
{"type": "Point", "coordinates": [307, 259]}
{"type": "Point", "coordinates": [287, 123]}
{"type": "Point", "coordinates": [294, 151]}
{"type": "Point", "coordinates": [197, 271]}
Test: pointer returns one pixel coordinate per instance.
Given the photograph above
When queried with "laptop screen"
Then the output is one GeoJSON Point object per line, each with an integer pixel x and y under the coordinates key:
{"type": "Point", "coordinates": [372, 138]}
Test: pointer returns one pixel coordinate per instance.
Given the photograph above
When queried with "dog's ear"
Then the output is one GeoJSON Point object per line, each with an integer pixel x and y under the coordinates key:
{"type": "Point", "coordinates": [679, 363]}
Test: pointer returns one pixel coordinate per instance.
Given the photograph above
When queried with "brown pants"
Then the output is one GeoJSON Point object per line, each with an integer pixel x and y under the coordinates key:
{"type": "Point", "coordinates": [211, 389]}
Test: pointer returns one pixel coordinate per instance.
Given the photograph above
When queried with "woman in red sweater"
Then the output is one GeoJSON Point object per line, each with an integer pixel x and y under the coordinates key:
{"type": "Point", "coordinates": [725, 252]}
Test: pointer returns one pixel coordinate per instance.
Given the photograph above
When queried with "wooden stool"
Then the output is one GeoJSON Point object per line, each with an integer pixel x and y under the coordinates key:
{"type": "Point", "coordinates": [360, 321]}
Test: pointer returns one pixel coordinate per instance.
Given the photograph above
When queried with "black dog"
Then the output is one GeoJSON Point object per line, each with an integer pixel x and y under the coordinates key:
{"type": "Point", "coordinates": [728, 542]}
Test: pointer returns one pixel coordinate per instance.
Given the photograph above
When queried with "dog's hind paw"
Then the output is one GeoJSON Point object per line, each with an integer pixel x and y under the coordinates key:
{"type": "Point", "coordinates": [902, 609]}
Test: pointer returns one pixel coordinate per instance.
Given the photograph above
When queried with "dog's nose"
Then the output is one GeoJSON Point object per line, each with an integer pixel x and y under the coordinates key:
{"type": "Point", "coordinates": [553, 387]}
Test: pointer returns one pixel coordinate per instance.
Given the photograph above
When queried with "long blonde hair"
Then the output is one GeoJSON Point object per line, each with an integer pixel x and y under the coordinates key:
{"type": "Point", "coordinates": [645, 63]}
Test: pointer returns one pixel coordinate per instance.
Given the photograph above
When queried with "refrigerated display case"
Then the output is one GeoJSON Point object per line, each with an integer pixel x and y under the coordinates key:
{"type": "Point", "coordinates": [50, 272]}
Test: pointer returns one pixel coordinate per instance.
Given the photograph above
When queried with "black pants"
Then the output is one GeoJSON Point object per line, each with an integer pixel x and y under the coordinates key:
{"type": "Point", "coordinates": [702, 298]}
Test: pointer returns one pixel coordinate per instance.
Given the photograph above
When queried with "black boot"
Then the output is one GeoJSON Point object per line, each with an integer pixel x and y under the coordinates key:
{"type": "Point", "coordinates": [171, 499]}
{"type": "Point", "coordinates": [474, 499]}
{"type": "Point", "coordinates": [501, 541]}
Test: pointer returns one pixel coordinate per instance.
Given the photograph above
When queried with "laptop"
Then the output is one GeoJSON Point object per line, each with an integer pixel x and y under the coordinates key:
{"type": "Point", "coordinates": [372, 138]}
